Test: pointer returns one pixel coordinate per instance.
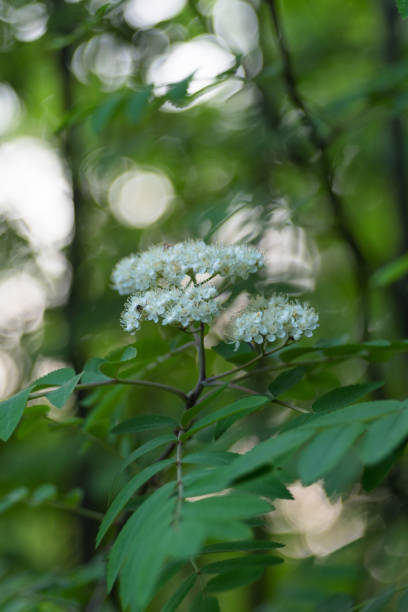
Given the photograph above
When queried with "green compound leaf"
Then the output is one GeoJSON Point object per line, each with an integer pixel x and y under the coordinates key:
{"type": "Point", "coordinates": [126, 493]}
{"type": "Point", "coordinates": [230, 565]}
{"type": "Point", "coordinates": [59, 397]}
{"type": "Point", "coordinates": [144, 423]}
{"type": "Point", "coordinates": [403, 8]}
{"type": "Point", "coordinates": [344, 396]}
{"type": "Point", "coordinates": [232, 580]}
{"type": "Point", "coordinates": [241, 406]}
{"type": "Point", "coordinates": [177, 597]}
{"type": "Point", "coordinates": [286, 381]}
{"type": "Point", "coordinates": [11, 412]}
{"type": "Point", "coordinates": [384, 436]}
{"type": "Point", "coordinates": [323, 453]}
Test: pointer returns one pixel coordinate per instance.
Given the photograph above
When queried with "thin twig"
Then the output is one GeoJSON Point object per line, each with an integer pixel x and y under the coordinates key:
{"type": "Point", "coordinates": [92, 514]}
{"type": "Point", "coordinates": [232, 386]}
{"type": "Point", "coordinates": [119, 381]}
{"type": "Point", "coordinates": [253, 392]}
{"type": "Point", "coordinates": [247, 364]}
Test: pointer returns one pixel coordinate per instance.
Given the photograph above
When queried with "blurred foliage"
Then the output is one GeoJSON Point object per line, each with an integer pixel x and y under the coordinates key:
{"type": "Point", "coordinates": [298, 144]}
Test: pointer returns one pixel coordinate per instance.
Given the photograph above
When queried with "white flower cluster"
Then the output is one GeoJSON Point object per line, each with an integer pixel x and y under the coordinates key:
{"type": "Point", "coordinates": [172, 306]}
{"type": "Point", "coordinates": [168, 265]}
{"type": "Point", "coordinates": [267, 320]}
{"type": "Point", "coordinates": [164, 284]}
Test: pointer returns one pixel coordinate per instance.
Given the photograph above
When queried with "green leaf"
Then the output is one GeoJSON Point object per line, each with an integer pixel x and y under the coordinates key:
{"type": "Point", "coordinates": [59, 397]}
{"type": "Point", "coordinates": [105, 111]}
{"type": "Point", "coordinates": [146, 447]}
{"type": "Point", "coordinates": [91, 371]}
{"type": "Point", "coordinates": [384, 436]}
{"type": "Point", "coordinates": [138, 103]}
{"type": "Point", "coordinates": [224, 424]}
{"type": "Point", "coordinates": [11, 411]}
{"type": "Point", "coordinates": [365, 411]}
{"type": "Point", "coordinates": [54, 379]}
{"type": "Point", "coordinates": [374, 474]}
{"type": "Point", "coordinates": [43, 493]}
{"type": "Point", "coordinates": [73, 498]}
{"type": "Point", "coordinates": [126, 493]}
{"type": "Point", "coordinates": [403, 8]}
{"type": "Point", "coordinates": [202, 603]}
{"type": "Point", "coordinates": [226, 507]}
{"type": "Point", "coordinates": [177, 597]}
{"type": "Point", "coordinates": [187, 537]}
{"type": "Point", "coordinates": [323, 453]}
{"type": "Point", "coordinates": [147, 555]}
{"type": "Point", "coordinates": [249, 562]}
{"type": "Point", "coordinates": [189, 414]}
{"type": "Point", "coordinates": [120, 358]}
{"type": "Point", "coordinates": [177, 92]}
{"type": "Point", "coordinates": [403, 602]}
{"type": "Point", "coordinates": [267, 452]}
{"type": "Point", "coordinates": [110, 400]}
{"type": "Point", "coordinates": [33, 419]}
{"type": "Point", "coordinates": [233, 580]}
{"type": "Point", "coordinates": [343, 477]}
{"type": "Point", "coordinates": [243, 546]}
{"type": "Point", "coordinates": [267, 485]}
{"type": "Point", "coordinates": [213, 458]}
{"type": "Point", "coordinates": [243, 354]}
{"type": "Point", "coordinates": [13, 497]}
{"type": "Point", "coordinates": [286, 381]}
{"type": "Point", "coordinates": [378, 604]}
{"type": "Point", "coordinates": [240, 406]}
{"type": "Point", "coordinates": [134, 530]}
{"type": "Point", "coordinates": [396, 269]}
{"type": "Point", "coordinates": [344, 396]}
{"type": "Point", "coordinates": [144, 423]}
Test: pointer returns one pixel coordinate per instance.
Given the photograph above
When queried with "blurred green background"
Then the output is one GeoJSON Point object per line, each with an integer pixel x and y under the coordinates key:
{"type": "Point", "coordinates": [124, 124]}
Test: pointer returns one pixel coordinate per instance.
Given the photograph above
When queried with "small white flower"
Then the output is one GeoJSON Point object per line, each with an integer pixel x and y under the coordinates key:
{"type": "Point", "coordinates": [168, 265]}
{"type": "Point", "coordinates": [267, 320]}
{"type": "Point", "coordinates": [171, 307]}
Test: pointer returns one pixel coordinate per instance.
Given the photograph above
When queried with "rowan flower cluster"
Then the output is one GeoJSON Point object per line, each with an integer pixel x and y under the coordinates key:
{"type": "Point", "coordinates": [170, 284]}
{"type": "Point", "coordinates": [168, 265]}
{"type": "Point", "coordinates": [171, 307]}
{"type": "Point", "coordinates": [277, 318]}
